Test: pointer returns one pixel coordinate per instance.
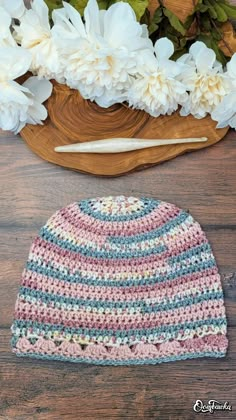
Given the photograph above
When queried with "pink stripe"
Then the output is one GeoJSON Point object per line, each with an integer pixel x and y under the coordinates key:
{"type": "Point", "coordinates": [76, 319]}
{"type": "Point", "coordinates": [159, 291]}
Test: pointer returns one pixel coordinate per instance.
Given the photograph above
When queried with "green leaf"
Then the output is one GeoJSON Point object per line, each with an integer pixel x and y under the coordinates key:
{"type": "Point", "coordinates": [174, 21]}
{"type": "Point", "coordinates": [203, 8]}
{"type": "Point", "coordinates": [229, 9]}
{"type": "Point", "coordinates": [211, 9]}
{"type": "Point", "coordinates": [221, 15]}
{"type": "Point", "coordinates": [53, 4]}
{"type": "Point", "coordinates": [182, 42]}
{"type": "Point", "coordinates": [212, 12]}
{"type": "Point", "coordinates": [158, 15]}
{"type": "Point", "coordinates": [188, 22]}
{"type": "Point", "coordinates": [206, 23]}
{"type": "Point", "coordinates": [79, 5]}
{"type": "Point", "coordinates": [156, 20]}
{"type": "Point", "coordinates": [103, 4]}
{"type": "Point", "coordinates": [216, 35]}
{"type": "Point", "coordinates": [152, 28]}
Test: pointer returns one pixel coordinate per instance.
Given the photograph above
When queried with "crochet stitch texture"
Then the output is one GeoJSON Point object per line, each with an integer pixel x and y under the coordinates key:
{"type": "Point", "coordinates": [120, 280]}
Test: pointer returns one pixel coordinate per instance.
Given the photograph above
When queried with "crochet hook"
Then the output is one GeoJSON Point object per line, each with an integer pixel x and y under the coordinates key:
{"type": "Point", "coordinates": [119, 145]}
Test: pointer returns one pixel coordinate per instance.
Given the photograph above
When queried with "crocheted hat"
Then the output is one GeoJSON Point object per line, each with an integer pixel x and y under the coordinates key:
{"type": "Point", "coordinates": [120, 280]}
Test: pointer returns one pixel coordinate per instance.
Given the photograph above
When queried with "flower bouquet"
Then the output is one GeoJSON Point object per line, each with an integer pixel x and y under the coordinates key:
{"type": "Point", "coordinates": [123, 69]}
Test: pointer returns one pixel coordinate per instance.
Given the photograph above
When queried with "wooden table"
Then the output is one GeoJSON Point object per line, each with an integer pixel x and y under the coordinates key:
{"type": "Point", "coordinates": [31, 190]}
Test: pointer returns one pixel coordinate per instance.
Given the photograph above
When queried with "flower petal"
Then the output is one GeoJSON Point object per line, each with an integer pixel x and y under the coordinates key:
{"type": "Point", "coordinates": [204, 57]}
{"type": "Point", "coordinates": [36, 114]}
{"type": "Point", "coordinates": [13, 92]}
{"type": "Point", "coordinates": [121, 28]}
{"type": "Point", "coordinates": [5, 21]}
{"type": "Point", "coordinates": [6, 38]}
{"type": "Point", "coordinates": [164, 48]}
{"type": "Point", "coordinates": [40, 8]}
{"type": "Point", "coordinates": [73, 15]}
{"type": "Point", "coordinates": [15, 61]}
{"type": "Point", "coordinates": [16, 8]}
{"type": "Point", "coordinates": [92, 18]}
{"type": "Point", "coordinates": [196, 48]}
{"type": "Point", "coordinates": [41, 89]}
{"type": "Point", "coordinates": [226, 109]}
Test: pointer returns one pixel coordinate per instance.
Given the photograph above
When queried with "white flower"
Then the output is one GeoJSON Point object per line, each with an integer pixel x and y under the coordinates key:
{"type": "Point", "coordinates": [18, 104]}
{"type": "Point", "coordinates": [225, 112]}
{"type": "Point", "coordinates": [101, 55]}
{"type": "Point", "coordinates": [204, 79]}
{"type": "Point", "coordinates": [156, 89]}
{"type": "Point", "coordinates": [6, 38]}
{"type": "Point", "coordinates": [15, 8]}
{"type": "Point", "coordinates": [34, 34]}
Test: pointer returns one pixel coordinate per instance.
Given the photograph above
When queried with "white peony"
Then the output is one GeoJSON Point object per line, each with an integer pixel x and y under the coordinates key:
{"type": "Point", "coordinates": [204, 79]}
{"type": "Point", "coordinates": [156, 89]}
{"type": "Point", "coordinates": [225, 112]}
{"type": "Point", "coordinates": [100, 56]}
{"type": "Point", "coordinates": [34, 34]}
{"type": "Point", "coordinates": [20, 105]}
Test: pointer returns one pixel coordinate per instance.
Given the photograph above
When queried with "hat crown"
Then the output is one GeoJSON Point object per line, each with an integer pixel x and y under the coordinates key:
{"type": "Point", "coordinates": [120, 280]}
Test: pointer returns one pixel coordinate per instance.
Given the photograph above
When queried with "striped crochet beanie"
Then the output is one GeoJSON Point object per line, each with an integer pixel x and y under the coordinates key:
{"type": "Point", "coordinates": [120, 281]}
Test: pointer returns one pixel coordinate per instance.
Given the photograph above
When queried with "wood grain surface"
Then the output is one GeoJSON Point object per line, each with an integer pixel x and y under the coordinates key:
{"type": "Point", "coordinates": [31, 190]}
{"type": "Point", "coordinates": [73, 119]}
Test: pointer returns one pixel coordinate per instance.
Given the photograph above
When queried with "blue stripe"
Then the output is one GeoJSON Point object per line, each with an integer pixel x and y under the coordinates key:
{"type": "Point", "coordinates": [112, 362]}
{"type": "Point", "coordinates": [142, 305]}
{"type": "Point", "coordinates": [155, 233]}
{"type": "Point", "coordinates": [24, 325]}
{"type": "Point", "coordinates": [76, 278]}
{"type": "Point", "coordinates": [52, 238]}
{"type": "Point", "coordinates": [149, 205]}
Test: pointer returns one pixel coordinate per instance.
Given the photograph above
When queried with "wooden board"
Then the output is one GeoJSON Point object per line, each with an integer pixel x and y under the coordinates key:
{"type": "Point", "coordinates": [31, 191]}
{"type": "Point", "coordinates": [73, 119]}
